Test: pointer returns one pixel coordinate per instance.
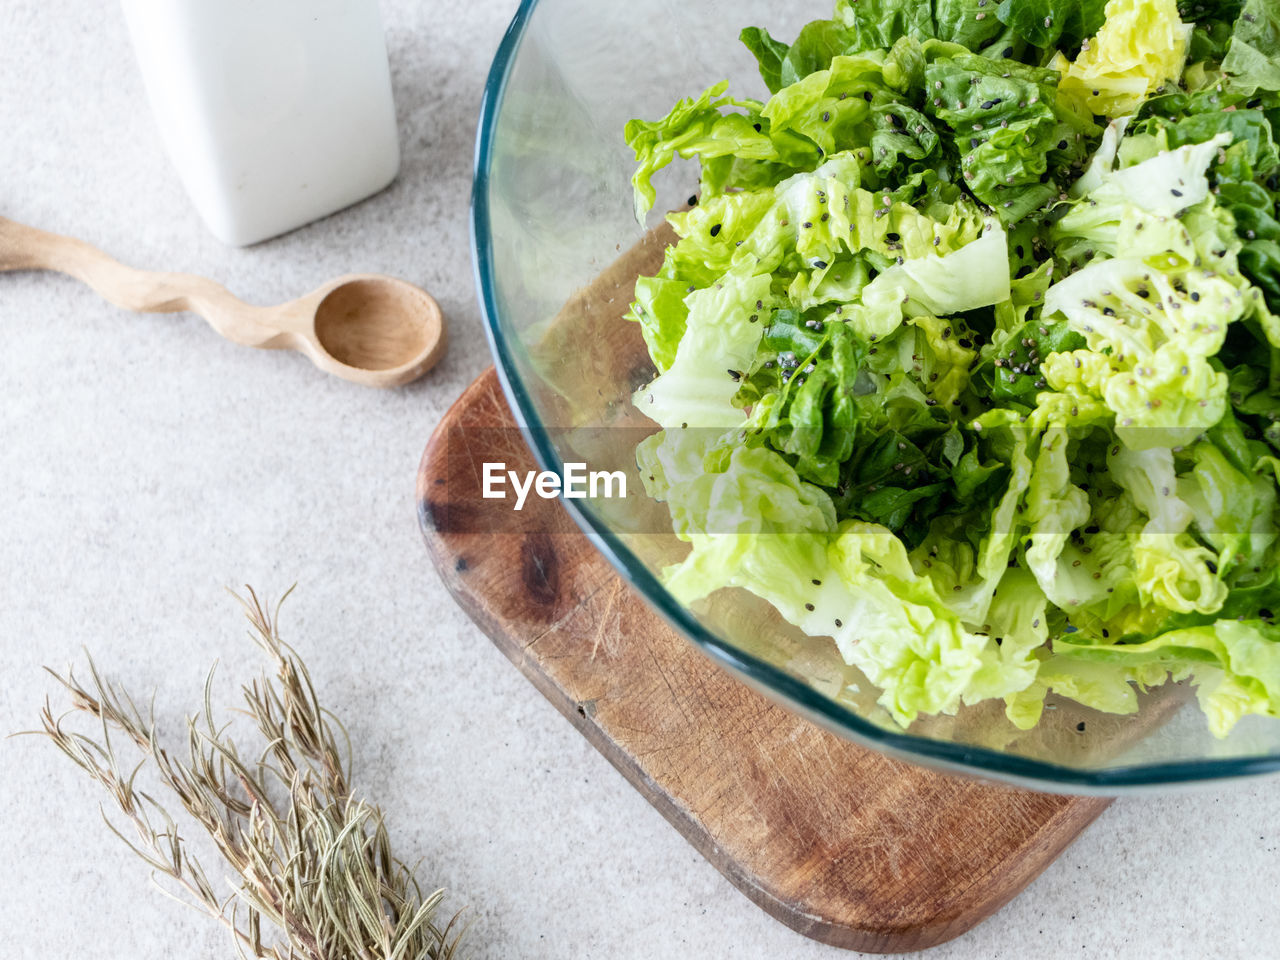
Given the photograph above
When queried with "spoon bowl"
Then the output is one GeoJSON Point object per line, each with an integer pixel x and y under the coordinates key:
{"type": "Point", "coordinates": [377, 330]}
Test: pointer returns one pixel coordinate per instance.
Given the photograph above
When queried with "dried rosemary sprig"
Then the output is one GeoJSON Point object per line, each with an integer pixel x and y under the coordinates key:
{"type": "Point", "coordinates": [310, 861]}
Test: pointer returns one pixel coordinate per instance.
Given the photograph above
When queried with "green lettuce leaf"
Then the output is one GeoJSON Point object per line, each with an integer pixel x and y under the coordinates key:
{"type": "Point", "coordinates": [720, 338]}
{"type": "Point", "coordinates": [802, 388]}
{"type": "Point", "coordinates": [700, 126]}
{"type": "Point", "coordinates": [879, 23]}
{"type": "Point", "coordinates": [1053, 23]}
{"type": "Point", "coordinates": [1233, 510]}
{"type": "Point", "coordinates": [1102, 686]}
{"type": "Point", "coordinates": [660, 309]}
{"type": "Point", "coordinates": [970, 23]}
{"type": "Point", "coordinates": [1005, 126]}
{"type": "Point", "coordinates": [1213, 21]}
{"type": "Point", "coordinates": [1012, 373]}
{"type": "Point", "coordinates": [858, 102]}
{"type": "Point", "coordinates": [1154, 316]}
{"type": "Point", "coordinates": [1234, 664]}
{"type": "Point", "coordinates": [771, 55]}
{"type": "Point", "coordinates": [1253, 58]}
{"type": "Point", "coordinates": [1146, 359]}
{"type": "Point", "coordinates": [976, 275]}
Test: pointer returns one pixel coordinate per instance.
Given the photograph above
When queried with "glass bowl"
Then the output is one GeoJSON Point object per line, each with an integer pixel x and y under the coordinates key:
{"type": "Point", "coordinates": [557, 249]}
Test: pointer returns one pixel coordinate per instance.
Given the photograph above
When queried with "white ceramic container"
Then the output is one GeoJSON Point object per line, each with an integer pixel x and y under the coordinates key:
{"type": "Point", "coordinates": [275, 112]}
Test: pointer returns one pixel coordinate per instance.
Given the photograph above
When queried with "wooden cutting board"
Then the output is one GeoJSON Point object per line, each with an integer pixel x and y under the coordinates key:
{"type": "Point", "coordinates": [838, 842]}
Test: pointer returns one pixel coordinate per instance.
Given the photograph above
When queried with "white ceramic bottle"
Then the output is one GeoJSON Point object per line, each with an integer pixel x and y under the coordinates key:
{"type": "Point", "coordinates": [275, 112]}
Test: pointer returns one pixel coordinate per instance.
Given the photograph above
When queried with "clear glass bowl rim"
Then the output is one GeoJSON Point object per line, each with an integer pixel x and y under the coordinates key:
{"type": "Point", "coordinates": [956, 757]}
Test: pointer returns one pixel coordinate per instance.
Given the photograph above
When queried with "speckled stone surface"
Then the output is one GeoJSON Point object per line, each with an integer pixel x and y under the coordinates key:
{"type": "Point", "coordinates": [147, 465]}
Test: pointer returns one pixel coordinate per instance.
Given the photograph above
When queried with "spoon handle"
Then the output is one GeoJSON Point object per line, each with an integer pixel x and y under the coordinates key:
{"type": "Point", "coordinates": [26, 248]}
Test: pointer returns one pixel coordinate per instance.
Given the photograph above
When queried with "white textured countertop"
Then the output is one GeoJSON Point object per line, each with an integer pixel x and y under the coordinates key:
{"type": "Point", "coordinates": [147, 465]}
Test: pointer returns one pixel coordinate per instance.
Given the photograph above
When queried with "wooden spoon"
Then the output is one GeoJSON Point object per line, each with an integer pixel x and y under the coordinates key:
{"type": "Point", "coordinates": [370, 329]}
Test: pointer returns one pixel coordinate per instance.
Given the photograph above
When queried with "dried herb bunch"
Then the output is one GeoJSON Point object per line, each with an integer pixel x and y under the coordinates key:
{"type": "Point", "coordinates": [307, 858]}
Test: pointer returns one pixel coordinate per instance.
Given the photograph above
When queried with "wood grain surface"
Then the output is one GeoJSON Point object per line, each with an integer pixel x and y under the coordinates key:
{"type": "Point", "coordinates": [838, 842]}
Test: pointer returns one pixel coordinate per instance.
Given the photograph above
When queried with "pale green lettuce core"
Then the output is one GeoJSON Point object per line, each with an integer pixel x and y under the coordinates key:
{"type": "Point", "coordinates": [978, 385]}
{"type": "Point", "coordinates": [1141, 46]}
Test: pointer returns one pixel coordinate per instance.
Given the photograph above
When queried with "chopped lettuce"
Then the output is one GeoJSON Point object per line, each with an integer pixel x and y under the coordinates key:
{"type": "Point", "coordinates": [1140, 47]}
{"type": "Point", "coordinates": [1044, 23]}
{"type": "Point", "coordinates": [1008, 128]}
{"type": "Point", "coordinates": [1253, 55]}
{"type": "Point", "coordinates": [968, 356]}
{"type": "Point", "coordinates": [1235, 665]}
